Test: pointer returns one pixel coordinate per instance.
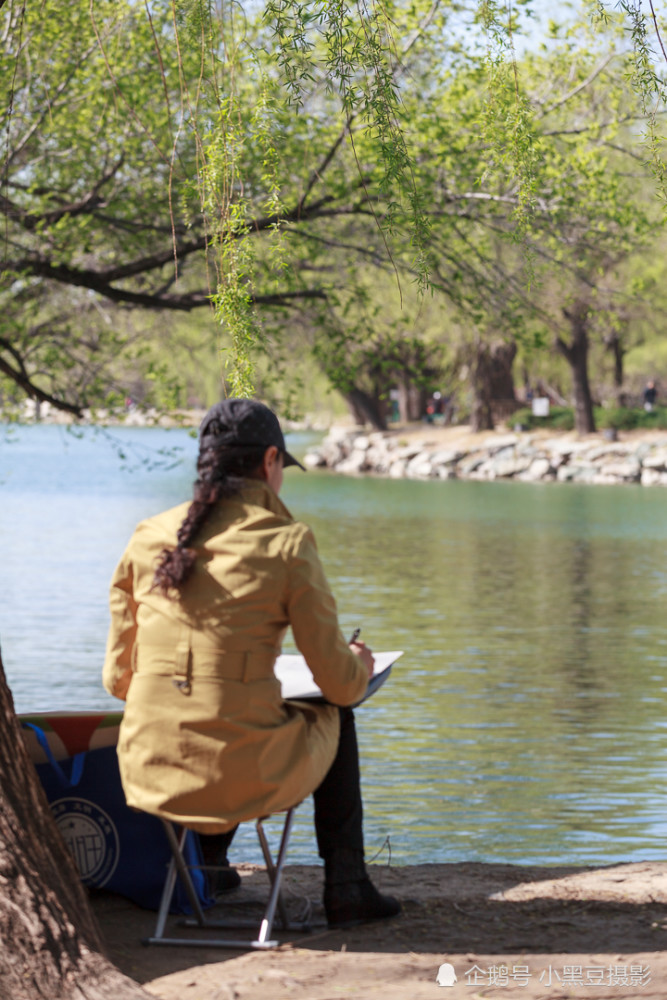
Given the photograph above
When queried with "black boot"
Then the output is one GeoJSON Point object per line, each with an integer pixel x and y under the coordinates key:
{"type": "Point", "coordinates": [214, 852]}
{"type": "Point", "coordinates": [350, 897]}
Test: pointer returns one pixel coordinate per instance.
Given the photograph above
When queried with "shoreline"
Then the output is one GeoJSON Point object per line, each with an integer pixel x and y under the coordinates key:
{"type": "Point", "coordinates": [422, 451]}
{"type": "Point", "coordinates": [134, 416]}
{"type": "Point", "coordinates": [429, 452]}
{"type": "Point", "coordinates": [598, 931]}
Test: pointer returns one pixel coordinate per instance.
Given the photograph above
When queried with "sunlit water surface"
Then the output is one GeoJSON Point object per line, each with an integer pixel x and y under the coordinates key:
{"type": "Point", "coordinates": [527, 720]}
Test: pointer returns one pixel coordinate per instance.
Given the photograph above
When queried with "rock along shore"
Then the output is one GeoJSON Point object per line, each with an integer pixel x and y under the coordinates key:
{"type": "Point", "coordinates": [451, 453]}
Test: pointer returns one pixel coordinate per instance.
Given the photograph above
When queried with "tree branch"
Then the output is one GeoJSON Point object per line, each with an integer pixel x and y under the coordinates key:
{"type": "Point", "coordinates": [317, 172]}
{"type": "Point", "coordinates": [91, 201]}
{"type": "Point", "coordinates": [17, 147]}
{"type": "Point", "coordinates": [99, 282]}
{"type": "Point", "coordinates": [283, 298]}
{"type": "Point", "coordinates": [564, 349]}
{"type": "Point", "coordinates": [20, 378]}
{"type": "Point", "coordinates": [102, 281]}
{"type": "Point", "coordinates": [582, 86]}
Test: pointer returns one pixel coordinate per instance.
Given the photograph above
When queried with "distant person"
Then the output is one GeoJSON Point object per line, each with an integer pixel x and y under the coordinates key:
{"type": "Point", "coordinates": [434, 408]}
{"type": "Point", "coordinates": [650, 396]}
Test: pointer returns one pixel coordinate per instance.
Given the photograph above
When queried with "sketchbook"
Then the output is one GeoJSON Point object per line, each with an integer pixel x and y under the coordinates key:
{"type": "Point", "coordinates": [299, 684]}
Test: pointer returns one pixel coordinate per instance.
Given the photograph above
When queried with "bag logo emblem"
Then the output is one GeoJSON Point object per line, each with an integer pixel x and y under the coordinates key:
{"type": "Point", "coordinates": [91, 836]}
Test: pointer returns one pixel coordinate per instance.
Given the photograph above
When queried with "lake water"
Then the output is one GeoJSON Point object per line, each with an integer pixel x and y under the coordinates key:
{"type": "Point", "coordinates": [527, 720]}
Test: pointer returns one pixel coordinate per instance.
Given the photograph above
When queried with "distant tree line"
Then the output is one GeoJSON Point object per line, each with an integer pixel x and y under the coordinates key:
{"type": "Point", "coordinates": [523, 198]}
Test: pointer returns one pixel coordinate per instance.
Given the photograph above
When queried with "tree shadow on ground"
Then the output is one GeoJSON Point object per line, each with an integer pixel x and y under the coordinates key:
{"type": "Point", "coordinates": [479, 908]}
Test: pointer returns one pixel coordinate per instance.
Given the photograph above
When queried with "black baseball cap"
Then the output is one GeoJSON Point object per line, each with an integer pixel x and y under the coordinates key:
{"type": "Point", "coordinates": [244, 423]}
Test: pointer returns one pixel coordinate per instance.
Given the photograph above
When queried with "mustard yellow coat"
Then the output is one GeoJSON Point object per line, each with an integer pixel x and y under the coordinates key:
{"type": "Point", "coordinates": [206, 738]}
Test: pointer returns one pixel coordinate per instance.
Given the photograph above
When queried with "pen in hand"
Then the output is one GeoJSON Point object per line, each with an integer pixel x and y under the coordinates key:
{"type": "Point", "coordinates": [366, 655]}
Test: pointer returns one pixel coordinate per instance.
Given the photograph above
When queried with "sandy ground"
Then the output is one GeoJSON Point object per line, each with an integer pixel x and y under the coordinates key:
{"type": "Point", "coordinates": [508, 931]}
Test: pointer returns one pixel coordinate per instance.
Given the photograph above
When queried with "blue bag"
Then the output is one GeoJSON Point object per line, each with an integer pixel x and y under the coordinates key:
{"type": "Point", "coordinates": [114, 847]}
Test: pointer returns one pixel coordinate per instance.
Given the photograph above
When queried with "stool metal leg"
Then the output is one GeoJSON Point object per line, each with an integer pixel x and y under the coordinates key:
{"type": "Point", "coordinates": [165, 899]}
{"type": "Point", "coordinates": [270, 867]}
{"type": "Point", "coordinates": [178, 867]}
{"type": "Point", "coordinates": [267, 923]}
{"type": "Point", "coordinates": [177, 847]}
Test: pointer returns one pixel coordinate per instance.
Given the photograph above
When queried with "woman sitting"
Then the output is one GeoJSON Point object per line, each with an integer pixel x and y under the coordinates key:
{"type": "Point", "coordinates": [200, 602]}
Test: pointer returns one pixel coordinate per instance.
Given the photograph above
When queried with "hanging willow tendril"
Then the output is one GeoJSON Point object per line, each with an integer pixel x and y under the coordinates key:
{"type": "Point", "coordinates": [650, 87]}
{"type": "Point", "coordinates": [349, 48]}
{"type": "Point", "coordinates": [507, 121]}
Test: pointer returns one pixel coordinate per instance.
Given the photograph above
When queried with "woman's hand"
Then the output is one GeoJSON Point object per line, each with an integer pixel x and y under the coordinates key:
{"type": "Point", "coordinates": [364, 654]}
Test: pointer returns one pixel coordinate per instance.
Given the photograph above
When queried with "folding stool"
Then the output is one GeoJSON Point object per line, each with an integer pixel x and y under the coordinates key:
{"type": "Point", "coordinates": [179, 867]}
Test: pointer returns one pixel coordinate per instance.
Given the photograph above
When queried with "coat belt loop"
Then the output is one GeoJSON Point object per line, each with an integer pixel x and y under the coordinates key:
{"type": "Point", "coordinates": [247, 672]}
{"type": "Point", "coordinates": [182, 678]}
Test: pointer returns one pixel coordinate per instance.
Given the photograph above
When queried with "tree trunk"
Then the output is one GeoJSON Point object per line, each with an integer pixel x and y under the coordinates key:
{"type": "Point", "coordinates": [364, 409]}
{"type": "Point", "coordinates": [492, 384]}
{"type": "Point", "coordinates": [576, 355]}
{"type": "Point", "coordinates": [50, 945]}
{"type": "Point", "coordinates": [619, 353]}
{"type": "Point", "coordinates": [481, 417]}
{"type": "Point", "coordinates": [503, 396]}
{"type": "Point", "coordinates": [614, 344]}
{"type": "Point", "coordinates": [411, 399]}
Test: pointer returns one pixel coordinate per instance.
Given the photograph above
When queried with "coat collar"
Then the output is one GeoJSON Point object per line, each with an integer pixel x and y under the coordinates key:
{"type": "Point", "coordinates": [259, 493]}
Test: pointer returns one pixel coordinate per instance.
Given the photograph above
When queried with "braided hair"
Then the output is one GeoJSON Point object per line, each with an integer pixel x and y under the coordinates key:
{"type": "Point", "coordinates": [222, 472]}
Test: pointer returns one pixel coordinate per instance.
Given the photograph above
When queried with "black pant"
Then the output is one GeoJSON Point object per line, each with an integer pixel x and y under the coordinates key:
{"type": "Point", "coordinates": [338, 809]}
